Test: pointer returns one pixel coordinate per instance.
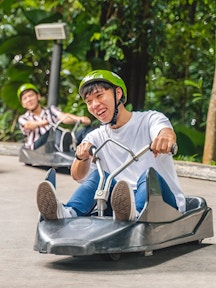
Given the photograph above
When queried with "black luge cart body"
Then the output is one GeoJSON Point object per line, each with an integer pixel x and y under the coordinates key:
{"type": "Point", "coordinates": [159, 225]}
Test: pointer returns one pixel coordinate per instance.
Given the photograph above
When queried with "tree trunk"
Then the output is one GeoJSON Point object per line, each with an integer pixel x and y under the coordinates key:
{"type": "Point", "coordinates": [134, 72]}
{"type": "Point", "coordinates": [210, 137]}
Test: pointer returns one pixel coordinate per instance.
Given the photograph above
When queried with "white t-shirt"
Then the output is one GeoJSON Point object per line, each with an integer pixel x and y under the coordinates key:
{"type": "Point", "coordinates": [138, 132]}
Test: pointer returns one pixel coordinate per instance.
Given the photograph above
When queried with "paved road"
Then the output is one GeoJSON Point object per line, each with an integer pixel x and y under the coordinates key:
{"type": "Point", "coordinates": [20, 266]}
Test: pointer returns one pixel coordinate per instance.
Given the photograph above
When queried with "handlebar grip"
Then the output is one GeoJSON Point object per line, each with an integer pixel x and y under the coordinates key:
{"type": "Point", "coordinates": [91, 152]}
{"type": "Point", "coordinates": [174, 149]}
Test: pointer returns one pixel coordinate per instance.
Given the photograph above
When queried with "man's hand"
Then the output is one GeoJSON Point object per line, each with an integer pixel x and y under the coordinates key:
{"type": "Point", "coordinates": [85, 120]}
{"type": "Point", "coordinates": [81, 164]}
{"type": "Point", "coordinates": [163, 142]}
{"type": "Point", "coordinates": [82, 151]}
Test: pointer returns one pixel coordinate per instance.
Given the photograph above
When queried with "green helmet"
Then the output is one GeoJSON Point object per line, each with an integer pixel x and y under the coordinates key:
{"type": "Point", "coordinates": [26, 86]}
{"type": "Point", "coordinates": [104, 76]}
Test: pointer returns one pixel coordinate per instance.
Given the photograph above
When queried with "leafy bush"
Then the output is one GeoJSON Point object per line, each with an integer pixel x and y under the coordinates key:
{"type": "Point", "coordinates": [190, 143]}
{"type": "Point", "coordinates": [9, 130]}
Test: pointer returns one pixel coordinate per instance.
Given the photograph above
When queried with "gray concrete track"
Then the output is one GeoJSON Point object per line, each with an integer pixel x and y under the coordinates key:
{"type": "Point", "coordinates": [20, 266]}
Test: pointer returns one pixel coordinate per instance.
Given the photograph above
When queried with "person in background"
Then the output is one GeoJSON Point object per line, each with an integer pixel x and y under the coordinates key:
{"type": "Point", "coordinates": [37, 121]}
{"type": "Point", "coordinates": [105, 95]}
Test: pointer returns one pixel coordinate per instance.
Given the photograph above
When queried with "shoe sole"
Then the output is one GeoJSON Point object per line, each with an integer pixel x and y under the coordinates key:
{"type": "Point", "coordinates": [66, 142]}
{"type": "Point", "coordinates": [46, 201]}
{"type": "Point", "coordinates": [121, 202]}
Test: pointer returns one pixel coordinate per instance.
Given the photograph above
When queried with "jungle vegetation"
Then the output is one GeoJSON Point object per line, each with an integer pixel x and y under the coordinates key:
{"type": "Point", "coordinates": [164, 50]}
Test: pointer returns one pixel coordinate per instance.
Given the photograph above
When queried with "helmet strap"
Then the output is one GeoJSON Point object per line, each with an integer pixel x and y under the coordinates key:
{"type": "Point", "coordinates": [115, 114]}
{"type": "Point", "coordinates": [114, 119]}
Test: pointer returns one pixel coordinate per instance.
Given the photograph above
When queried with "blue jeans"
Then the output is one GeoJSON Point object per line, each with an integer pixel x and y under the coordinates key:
{"type": "Point", "coordinates": [41, 141]}
{"type": "Point", "coordinates": [82, 200]}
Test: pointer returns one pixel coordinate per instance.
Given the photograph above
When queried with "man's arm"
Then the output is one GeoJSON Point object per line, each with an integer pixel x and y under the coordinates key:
{"type": "Point", "coordinates": [81, 164]}
{"type": "Point", "coordinates": [32, 125]}
{"type": "Point", "coordinates": [67, 118]}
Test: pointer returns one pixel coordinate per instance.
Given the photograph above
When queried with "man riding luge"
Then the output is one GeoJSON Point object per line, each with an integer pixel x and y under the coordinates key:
{"type": "Point", "coordinates": [105, 95]}
{"type": "Point", "coordinates": [37, 121]}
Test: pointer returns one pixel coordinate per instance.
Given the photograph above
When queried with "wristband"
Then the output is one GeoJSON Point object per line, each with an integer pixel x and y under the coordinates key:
{"type": "Point", "coordinates": [80, 158]}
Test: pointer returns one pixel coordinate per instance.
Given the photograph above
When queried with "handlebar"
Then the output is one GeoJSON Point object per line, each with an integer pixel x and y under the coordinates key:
{"type": "Point", "coordinates": [173, 151]}
{"type": "Point", "coordinates": [102, 192]}
{"type": "Point", "coordinates": [92, 150]}
{"type": "Point", "coordinates": [75, 127]}
{"type": "Point", "coordinates": [55, 125]}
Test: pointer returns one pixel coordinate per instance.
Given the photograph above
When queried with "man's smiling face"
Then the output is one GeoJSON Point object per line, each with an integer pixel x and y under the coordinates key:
{"type": "Point", "coordinates": [30, 100]}
{"type": "Point", "coordinates": [100, 103]}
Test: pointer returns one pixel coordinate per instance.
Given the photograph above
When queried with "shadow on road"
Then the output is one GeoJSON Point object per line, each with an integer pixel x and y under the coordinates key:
{"type": "Point", "coordinates": [128, 261]}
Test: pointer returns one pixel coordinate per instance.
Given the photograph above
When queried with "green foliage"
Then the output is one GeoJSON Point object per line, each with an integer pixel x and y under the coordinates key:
{"type": "Point", "coordinates": [191, 158]}
{"type": "Point", "coordinates": [164, 49]}
{"type": "Point", "coordinates": [8, 125]}
{"type": "Point", "coordinates": [190, 142]}
{"type": "Point", "coordinates": [189, 48]}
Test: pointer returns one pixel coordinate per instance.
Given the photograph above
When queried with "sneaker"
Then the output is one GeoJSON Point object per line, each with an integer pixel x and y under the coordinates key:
{"type": "Point", "coordinates": [65, 142]}
{"type": "Point", "coordinates": [51, 176]}
{"type": "Point", "coordinates": [123, 202]}
{"type": "Point", "coordinates": [48, 204]}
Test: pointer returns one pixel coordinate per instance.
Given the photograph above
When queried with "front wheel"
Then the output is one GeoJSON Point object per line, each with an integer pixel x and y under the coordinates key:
{"type": "Point", "coordinates": [111, 256]}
